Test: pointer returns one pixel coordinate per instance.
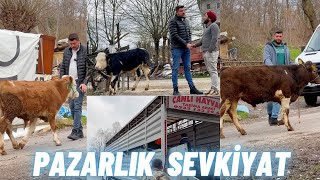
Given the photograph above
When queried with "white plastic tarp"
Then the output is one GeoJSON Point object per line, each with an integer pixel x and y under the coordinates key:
{"type": "Point", "coordinates": [18, 55]}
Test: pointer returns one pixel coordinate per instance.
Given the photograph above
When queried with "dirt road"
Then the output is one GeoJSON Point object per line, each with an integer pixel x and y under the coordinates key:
{"type": "Point", "coordinates": [304, 142]}
{"type": "Point", "coordinates": [164, 87]}
{"type": "Point", "coordinates": [18, 164]}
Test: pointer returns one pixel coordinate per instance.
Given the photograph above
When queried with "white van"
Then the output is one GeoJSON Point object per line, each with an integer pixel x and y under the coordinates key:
{"type": "Point", "coordinates": [312, 53]}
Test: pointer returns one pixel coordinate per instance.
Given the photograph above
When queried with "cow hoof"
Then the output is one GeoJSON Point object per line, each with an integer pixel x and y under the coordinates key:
{"type": "Point", "coordinates": [16, 146]}
{"type": "Point", "coordinates": [133, 89]}
{"type": "Point", "coordinates": [4, 153]}
{"type": "Point", "coordinates": [243, 132]}
{"type": "Point", "coordinates": [281, 122]}
{"type": "Point", "coordinates": [146, 89]}
{"type": "Point", "coordinates": [290, 129]}
{"type": "Point", "coordinates": [58, 144]}
{"type": "Point", "coordinates": [222, 136]}
{"type": "Point", "coordinates": [21, 145]}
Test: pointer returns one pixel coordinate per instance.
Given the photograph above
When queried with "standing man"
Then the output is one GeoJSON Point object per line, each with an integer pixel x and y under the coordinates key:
{"type": "Point", "coordinates": [185, 140]}
{"type": "Point", "coordinates": [180, 36]}
{"type": "Point", "coordinates": [210, 50]}
{"type": "Point", "coordinates": [74, 64]}
{"type": "Point", "coordinates": [276, 53]}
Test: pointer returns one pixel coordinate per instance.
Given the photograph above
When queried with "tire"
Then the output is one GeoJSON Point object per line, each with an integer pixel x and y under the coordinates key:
{"type": "Point", "coordinates": [311, 100]}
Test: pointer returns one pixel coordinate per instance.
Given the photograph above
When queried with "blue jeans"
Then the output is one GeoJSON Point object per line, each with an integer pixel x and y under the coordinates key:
{"type": "Point", "coordinates": [184, 54]}
{"type": "Point", "coordinates": [273, 108]}
{"type": "Point", "coordinates": [76, 109]}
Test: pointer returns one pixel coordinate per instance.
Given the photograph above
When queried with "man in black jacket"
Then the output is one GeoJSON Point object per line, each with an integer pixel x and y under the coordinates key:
{"type": "Point", "coordinates": [180, 36]}
{"type": "Point", "coordinates": [74, 64]}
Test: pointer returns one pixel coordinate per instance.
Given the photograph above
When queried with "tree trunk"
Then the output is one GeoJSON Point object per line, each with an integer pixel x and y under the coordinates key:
{"type": "Point", "coordinates": [164, 58]}
{"type": "Point", "coordinates": [157, 49]}
{"type": "Point", "coordinates": [308, 9]}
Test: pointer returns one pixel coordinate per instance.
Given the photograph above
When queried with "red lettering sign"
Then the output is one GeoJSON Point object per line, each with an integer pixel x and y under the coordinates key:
{"type": "Point", "coordinates": [200, 104]}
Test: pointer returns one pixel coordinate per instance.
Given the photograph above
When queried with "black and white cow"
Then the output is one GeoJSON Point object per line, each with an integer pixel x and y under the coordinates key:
{"type": "Point", "coordinates": [122, 62]}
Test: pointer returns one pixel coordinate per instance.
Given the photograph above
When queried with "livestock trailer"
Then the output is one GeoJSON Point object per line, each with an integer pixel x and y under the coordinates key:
{"type": "Point", "coordinates": [158, 126]}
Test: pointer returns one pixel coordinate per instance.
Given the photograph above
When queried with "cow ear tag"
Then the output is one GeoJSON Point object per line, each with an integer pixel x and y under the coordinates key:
{"type": "Point", "coordinates": [314, 67]}
{"type": "Point", "coordinates": [300, 61]}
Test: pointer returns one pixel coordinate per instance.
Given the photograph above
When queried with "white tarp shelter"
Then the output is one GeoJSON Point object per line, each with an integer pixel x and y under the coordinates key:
{"type": "Point", "coordinates": [18, 55]}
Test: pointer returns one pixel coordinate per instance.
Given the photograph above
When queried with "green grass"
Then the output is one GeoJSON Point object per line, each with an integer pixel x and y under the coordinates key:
{"type": "Point", "coordinates": [294, 52]}
{"type": "Point", "coordinates": [243, 115]}
{"type": "Point", "coordinates": [68, 122]}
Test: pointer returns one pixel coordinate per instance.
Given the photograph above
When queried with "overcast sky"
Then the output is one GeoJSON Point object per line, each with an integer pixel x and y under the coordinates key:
{"type": "Point", "coordinates": [105, 110]}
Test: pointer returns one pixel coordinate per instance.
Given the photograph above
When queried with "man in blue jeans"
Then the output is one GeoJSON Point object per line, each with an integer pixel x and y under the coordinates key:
{"type": "Point", "coordinates": [276, 53]}
{"type": "Point", "coordinates": [74, 64]}
{"type": "Point", "coordinates": [180, 36]}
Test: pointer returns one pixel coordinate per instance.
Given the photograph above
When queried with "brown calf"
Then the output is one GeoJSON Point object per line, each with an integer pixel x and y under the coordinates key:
{"type": "Point", "coordinates": [259, 84]}
{"type": "Point", "coordinates": [30, 100]}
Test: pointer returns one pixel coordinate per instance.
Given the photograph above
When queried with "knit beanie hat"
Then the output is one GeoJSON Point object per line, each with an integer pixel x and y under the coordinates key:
{"type": "Point", "coordinates": [212, 16]}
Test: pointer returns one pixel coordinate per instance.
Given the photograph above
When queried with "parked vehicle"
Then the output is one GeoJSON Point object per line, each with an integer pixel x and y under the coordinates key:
{"type": "Point", "coordinates": [312, 53]}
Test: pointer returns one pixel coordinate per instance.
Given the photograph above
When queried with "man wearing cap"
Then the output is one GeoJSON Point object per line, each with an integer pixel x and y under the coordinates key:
{"type": "Point", "coordinates": [74, 64]}
{"type": "Point", "coordinates": [210, 49]}
{"type": "Point", "coordinates": [180, 36]}
{"type": "Point", "coordinates": [276, 52]}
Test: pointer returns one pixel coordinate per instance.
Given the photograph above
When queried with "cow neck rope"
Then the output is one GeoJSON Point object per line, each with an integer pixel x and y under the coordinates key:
{"type": "Point", "coordinates": [315, 79]}
{"type": "Point", "coordinates": [307, 70]}
{"type": "Point", "coordinates": [69, 85]}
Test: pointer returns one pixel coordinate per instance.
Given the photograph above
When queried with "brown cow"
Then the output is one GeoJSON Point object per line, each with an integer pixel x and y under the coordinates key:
{"type": "Point", "coordinates": [259, 84]}
{"type": "Point", "coordinates": [30, 100]}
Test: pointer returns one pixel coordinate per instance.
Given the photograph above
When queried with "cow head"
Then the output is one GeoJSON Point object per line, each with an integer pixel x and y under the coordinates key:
{"type": "Point", "coordinates": [312, 71]}
{"type": "Point", "coordinates": [72, 87]}
{"type": "Point", "coordinates": [101, 60]}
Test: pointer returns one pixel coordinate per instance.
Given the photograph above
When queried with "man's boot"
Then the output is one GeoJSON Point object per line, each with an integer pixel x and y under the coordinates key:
{"type": "Point", "coordinates": [176, 91]}
{"type": "Point", "coordinates": [81, 134]}
{"type": "Point", "coordinates": [194, 90]}
{"type": "Point", "coordinates": [273, 121]}
{"type": "Point", "coordinates": [74, 135]}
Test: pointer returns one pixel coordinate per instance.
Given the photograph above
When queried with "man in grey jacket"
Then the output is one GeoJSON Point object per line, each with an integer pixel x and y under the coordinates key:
{"type": "Point", "coordinates": [276, 53]}
{"type": "Point", "coordinates": [180, 36]}
{"type": "Point", "coordinates": [210, 49]}
{"type": "Point", "coordinates": [74, 64]}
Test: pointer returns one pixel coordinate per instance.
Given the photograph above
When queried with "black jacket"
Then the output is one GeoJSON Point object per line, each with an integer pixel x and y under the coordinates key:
{"type": "Point", "coordinates": [185, 140]}
{"type": "Point", "coordinates": [180, 33]}
{"type": "Point", "coordinates": [81, 63]}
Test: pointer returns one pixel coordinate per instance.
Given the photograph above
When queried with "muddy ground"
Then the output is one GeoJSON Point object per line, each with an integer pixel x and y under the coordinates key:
{"type": "Point", "coordinates": [303, 142]}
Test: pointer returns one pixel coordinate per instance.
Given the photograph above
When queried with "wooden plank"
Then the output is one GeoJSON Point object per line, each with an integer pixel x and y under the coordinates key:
{"type": "Point", "coordinates": [47, 49]}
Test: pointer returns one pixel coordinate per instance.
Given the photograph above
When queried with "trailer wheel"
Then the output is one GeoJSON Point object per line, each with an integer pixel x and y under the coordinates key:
{"type": "Point", "coordinates": [311, 100]}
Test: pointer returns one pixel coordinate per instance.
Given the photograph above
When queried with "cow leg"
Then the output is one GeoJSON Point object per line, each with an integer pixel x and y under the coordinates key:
{"type": "Point", "coordinates": [53, 126]}
{"type": "Point", "coordinates": [138, 76]}
{"type": "Point", "coordinates": [233, 114]}
{"type": "Point", "coordinates": [29, 130]}
{"type": "Point", "coordinates": [146, 71]}
{"type": "Point", "coordinates": [223, 110]}
{"type": "Point", "coordinates": [2, 151]}
{"type": "Point", "coordinates": [224, 107]}
{"type": "Point", "coordinates": [3, 127]}
{"type": "Point", "coordinates": [14, 143]}
{"type": "Point", "coordinates": [113, 85]}
{"type": "Point", "coordinates": [285, 102]}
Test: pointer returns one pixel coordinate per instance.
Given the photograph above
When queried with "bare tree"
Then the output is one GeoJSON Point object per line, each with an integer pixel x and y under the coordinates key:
{"type": "Point", "coordinates": [153, 17]}
{"type": "Point", "coordinates": [20, 15]}
{"type": "Point", "coordinates": [310, 13]}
